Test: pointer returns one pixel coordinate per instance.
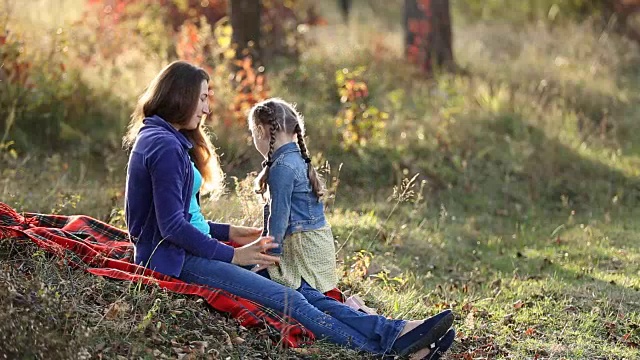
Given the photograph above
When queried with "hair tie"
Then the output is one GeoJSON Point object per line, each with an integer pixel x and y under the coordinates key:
{"type": "Point", "coordinates": [307, 160]}
{"type": "Point", "coordinates": [267, 163]}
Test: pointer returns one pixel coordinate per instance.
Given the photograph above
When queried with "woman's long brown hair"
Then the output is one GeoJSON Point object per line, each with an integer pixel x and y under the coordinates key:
{"type": "Point", "coordinates": [173, 95]}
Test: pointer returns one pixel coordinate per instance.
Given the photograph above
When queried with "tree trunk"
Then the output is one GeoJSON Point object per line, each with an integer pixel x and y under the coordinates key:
{"type": "Point", "coordinates": [345, 9]}
{"type": "Point", "coordinates": [245, 22]}
{"type": "Point", "coordinates": [428, 39]}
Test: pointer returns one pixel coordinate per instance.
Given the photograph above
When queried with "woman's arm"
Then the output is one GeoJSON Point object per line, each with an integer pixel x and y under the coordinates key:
{"type": "Point", "coordinates": [219, 231]}
{"type": "Point", "coordinates": [166, 166]}
{"type": "Point", "coordinates": [280, 182]}
{"type": "Point", "coordinates": [243, 235]}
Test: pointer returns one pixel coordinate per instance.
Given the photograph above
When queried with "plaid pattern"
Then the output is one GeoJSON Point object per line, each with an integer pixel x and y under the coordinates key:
{"type": "Point", "coordinates": [103, 250]}
{"type": "Point", "coordinates": [309, 255]}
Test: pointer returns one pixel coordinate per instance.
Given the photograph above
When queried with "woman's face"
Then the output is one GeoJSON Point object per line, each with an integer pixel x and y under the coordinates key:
{"type": "Point", "coordinates": [202, 108]}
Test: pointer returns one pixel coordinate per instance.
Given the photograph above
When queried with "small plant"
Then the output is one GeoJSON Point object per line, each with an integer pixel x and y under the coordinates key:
{"type": "Point", "coordinates": [392, 284]}
{"type": "Point", "coordinates": [146, 321]}
{"type": "Point", "coordinates": [359, 268]}
{"type": "Point", "coordinates": [332, 180]}
{"type": "Point", "coordinates": [359, 121]}
{"type": "Point", "coordinates": [401, 194]}
{"type": "Point", "coordinates": [250, 203]}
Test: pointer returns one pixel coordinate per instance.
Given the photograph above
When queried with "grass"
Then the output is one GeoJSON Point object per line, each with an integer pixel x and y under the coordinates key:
{"type": "Point", "coordinates": [521, 215]}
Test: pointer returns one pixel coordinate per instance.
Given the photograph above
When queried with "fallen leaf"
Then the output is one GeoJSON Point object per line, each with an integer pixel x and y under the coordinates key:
{"type": "Point", "coordinates": [199, 346]}
{"type": "Point", "coordinates": [227, 339]}
{"type": "Point", "coordinates": [306, 351]}
{"type": "Point", "coordinates": [518, 304]}
{"type": "Point", "coordinates": [116, 309]}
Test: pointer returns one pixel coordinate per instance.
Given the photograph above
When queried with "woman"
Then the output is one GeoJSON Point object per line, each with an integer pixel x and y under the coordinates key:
{"type": "Point", "coordinates": [171, 160]}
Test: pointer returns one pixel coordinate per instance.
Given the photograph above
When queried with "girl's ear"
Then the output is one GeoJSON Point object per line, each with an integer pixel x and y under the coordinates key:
{"type": "Point", "coordinates": [260, 131]}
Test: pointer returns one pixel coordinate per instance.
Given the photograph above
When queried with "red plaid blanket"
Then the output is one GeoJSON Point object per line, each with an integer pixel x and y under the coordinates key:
{"type": "Point", "coordinates": [101, 249]}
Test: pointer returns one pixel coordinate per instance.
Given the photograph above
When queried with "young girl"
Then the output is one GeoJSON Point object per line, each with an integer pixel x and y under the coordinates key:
{"type": "Point", "coordinates": [294, 210]}
{"type": "Point", "coordinates": [170, 158]}
{"type": "Point", "coordinates": [294, 214]}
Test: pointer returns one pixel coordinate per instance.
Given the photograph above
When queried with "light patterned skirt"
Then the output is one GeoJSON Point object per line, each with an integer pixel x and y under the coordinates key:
{"type": "Point", "coordinates": [308, 255]}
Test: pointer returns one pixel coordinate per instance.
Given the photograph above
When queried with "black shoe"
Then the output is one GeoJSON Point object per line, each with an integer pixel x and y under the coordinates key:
{"type": "Point", "coordinates": [426, 334]}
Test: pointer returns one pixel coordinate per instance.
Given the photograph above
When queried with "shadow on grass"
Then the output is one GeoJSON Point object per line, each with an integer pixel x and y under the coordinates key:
{"type": "Point", "coordinates": [503, 166]}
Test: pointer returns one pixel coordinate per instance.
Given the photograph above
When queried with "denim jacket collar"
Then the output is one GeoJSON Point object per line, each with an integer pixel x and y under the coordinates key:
{"type": "Point", "coordinates": [285, 149]}
{"type": "Point", "coordinates": [157, 121]}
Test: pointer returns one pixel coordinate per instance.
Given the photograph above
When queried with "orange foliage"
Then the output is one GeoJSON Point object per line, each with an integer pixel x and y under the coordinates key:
{"type": "Point", "coordinates": [250, 88]}
{"type": "Point", "coordinates": [195, 42]}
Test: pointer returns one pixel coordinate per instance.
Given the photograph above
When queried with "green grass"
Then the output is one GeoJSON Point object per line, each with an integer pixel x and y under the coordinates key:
{"type": "Point", "coordinates": [521, 216]}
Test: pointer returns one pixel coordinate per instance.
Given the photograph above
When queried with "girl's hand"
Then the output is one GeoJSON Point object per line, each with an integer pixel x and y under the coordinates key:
{"type": "Point", "coordinates": [244, 235]}
{"type": "Point", "coordinates": [254, 253]}
{"type": "Point", "coordinates": [259, 268]}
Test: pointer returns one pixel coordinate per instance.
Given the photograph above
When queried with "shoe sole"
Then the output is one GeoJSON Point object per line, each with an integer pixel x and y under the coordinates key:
{"type": "Point", "coordinates": [431, 337]}
{"type": "Point", "coordinates": [436, 354]}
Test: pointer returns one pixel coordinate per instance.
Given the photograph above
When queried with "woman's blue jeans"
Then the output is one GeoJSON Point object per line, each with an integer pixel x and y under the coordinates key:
{"type": "Point", "coordinates": [325, 317]}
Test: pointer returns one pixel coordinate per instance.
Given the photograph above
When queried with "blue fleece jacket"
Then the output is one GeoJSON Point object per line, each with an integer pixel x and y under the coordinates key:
{"type": "Point", "coordinates": [159, 183]}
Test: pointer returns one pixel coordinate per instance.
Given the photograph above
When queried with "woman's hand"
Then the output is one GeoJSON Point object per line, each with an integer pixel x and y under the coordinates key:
{"type": "Point", "coordinates": [254, 253]}
{"type": "Point", "coordinates": [244, 235]}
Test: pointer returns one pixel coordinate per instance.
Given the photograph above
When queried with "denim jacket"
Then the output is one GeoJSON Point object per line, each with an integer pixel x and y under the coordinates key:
{"type": "Point", "coordinates": [293, 206]}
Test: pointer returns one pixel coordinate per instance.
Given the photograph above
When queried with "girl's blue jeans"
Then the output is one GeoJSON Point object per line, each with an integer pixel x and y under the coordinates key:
{"type": "Point", "coordinates": [325, 317]}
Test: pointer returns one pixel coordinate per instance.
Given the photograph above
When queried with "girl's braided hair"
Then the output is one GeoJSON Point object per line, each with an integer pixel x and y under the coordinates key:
{"type": "Point", "coordinates": [278, 115]}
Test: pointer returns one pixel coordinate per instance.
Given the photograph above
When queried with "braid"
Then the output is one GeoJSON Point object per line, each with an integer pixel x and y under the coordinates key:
{"type": "Point", "coordinates": [266, 112]}
{"type": "Point", "coordinates": [314, 178]}
{"type": "Point", "coordinates": [301, 143]}
{"type": "Point", "coordinates": [273, 127]}
{"type": "Point", "coordinates": [281, 117]}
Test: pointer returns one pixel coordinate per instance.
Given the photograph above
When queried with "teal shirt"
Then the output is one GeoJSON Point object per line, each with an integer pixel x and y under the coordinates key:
{"type": "Point", "coordinates": [197, 219]}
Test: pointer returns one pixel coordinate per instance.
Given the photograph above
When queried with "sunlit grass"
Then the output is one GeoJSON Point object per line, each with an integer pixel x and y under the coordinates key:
{"type": "Point", "coordinates": [523, 218]}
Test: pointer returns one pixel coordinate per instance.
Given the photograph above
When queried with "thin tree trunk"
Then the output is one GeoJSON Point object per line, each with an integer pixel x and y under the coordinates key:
{"type": "Point", "coordinates": [245, 22]}
{"type": "Point", "coordinates": [428, 37]}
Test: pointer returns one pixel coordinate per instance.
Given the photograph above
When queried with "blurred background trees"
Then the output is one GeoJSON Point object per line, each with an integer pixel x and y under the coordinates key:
{"type": "Point", "coordinates": [71, 83]}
